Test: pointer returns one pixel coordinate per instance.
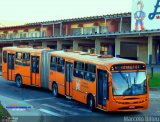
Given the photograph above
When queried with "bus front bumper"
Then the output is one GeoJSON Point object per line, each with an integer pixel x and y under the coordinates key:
{"type": "Point", "coordinates": [129, 105]}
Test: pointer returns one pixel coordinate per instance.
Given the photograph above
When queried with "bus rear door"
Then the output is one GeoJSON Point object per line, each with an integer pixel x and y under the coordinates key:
{"type": "Point", "coordinates": [68, 78]}
{"type": "Point", "coordinates": [35, 70]}
{"type": "Point", "coordinates": [10, 66]}
{"type": "Point", "coordinates": [102, 87]}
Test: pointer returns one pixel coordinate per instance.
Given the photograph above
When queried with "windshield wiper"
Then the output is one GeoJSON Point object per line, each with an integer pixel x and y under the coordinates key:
{"type": "Point", "coordinates": [124, 78]}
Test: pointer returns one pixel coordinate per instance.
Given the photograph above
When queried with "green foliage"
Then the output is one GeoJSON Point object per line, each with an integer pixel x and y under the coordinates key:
{"type": "Point", "coordinates": [154, 81]}
{"type": "Point", "coordinates": [3, 112]}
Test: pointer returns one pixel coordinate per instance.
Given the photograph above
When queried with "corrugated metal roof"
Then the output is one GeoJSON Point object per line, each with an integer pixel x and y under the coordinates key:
{"type": "Point", "coordinates": [109, 16]}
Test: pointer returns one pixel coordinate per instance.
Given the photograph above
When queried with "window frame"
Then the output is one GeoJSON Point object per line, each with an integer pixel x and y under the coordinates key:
{"type": "Point", "coordinates": [81, 70]}
{"type": "Point", "coordinates": [57, 64]}
{"type": "Point", "coordinates": [5, 53]}
{"type": "Point", "coordinates": [60, 65]}
{"type": "Point", "coordinates": [90, 72]}
{"type": "Point", "coordinates": [53, 63]}
{"type": "Point", "coordinates": [22, 61]}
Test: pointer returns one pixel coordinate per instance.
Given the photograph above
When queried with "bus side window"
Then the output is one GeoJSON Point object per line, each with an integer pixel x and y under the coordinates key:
{"type": "Point", "coordinates": [60, 65]}
{"type": "Point", "coordinates": [90, 72]}
{"type": "Point", "coordinates": [26, 56]}
{"type": "Point", "coordinates": [5, 56]}
{"type": "Point", "coordinates": [53, 63]}
{"type": "Point", "coordinates": [78, 69]}
{"type": "Point", "coordinates": [18, 58]}
{"type": "Point", "coordinates": [26, 59]}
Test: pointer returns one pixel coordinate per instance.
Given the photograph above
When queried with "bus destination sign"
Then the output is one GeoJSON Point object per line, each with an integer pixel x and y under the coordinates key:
{"type": "Point", "coordinates": [120, 67]}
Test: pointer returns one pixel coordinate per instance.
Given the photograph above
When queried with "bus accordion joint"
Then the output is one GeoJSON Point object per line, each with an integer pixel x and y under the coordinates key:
{"type": "Point", "coordinates": [105, 56]}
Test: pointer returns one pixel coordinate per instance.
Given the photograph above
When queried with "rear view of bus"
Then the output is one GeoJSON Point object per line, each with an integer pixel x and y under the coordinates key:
{"type": "Point", "coordinates": [129, 87]}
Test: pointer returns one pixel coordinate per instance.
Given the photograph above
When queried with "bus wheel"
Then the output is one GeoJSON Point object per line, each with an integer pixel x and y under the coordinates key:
{"type": "Point", "coordinates": [91, 103]}
{"type": "Point", "coordinates": [19, 81]}
{"type": "Point", "coordinates": [55, 90]}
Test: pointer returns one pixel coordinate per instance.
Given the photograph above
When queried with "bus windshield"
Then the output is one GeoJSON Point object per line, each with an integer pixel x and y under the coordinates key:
{"type": "Point", "coordinates": [129, 83]}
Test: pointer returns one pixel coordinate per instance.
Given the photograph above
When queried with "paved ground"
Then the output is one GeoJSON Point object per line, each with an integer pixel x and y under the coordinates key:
{"type": "Point", "coordinates": [43, 107]}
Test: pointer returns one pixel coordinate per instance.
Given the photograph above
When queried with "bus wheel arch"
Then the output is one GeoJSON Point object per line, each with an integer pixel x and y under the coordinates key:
{"type": "Point", "coordinates": [18, 80]}
{"type": "Point", "coordinates": [91, 102]}
{"type": "Point", "coordinates": [55, 89]}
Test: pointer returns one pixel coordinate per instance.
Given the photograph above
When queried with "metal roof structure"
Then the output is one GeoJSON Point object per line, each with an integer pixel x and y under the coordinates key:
{"type": "Point", "coordinates": [89, 36]}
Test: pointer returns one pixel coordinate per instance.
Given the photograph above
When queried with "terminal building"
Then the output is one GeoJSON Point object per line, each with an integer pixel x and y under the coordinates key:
{"type": "Point", "coordinates": [114, 34]}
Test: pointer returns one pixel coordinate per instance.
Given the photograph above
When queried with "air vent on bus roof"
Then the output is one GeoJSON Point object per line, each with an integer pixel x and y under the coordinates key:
{"type": "Point", "coordinates": [105, 56]}
{"type": "Point", "coordinates": [76, 51]}
{"type": "Point", "coordinates": [40, 47]}
{"type": "Point", "coordinates": [68, 50]}
{"type": "Point", "coordinates": [24, 46]}
{"type": "Point", "coordinates": [84, 53]}
{"type": "Point", "coordinates": [93, 54]}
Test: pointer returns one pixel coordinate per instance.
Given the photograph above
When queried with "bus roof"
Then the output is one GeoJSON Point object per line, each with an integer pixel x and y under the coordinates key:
{"type": "Point", "coordinates": [24, 49]}
{"type": "Point", "coordinates": [93, 59]}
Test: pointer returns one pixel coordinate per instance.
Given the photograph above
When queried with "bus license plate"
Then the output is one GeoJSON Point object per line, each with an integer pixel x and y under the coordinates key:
{"type": "Point", "coordinates": [131, 107]}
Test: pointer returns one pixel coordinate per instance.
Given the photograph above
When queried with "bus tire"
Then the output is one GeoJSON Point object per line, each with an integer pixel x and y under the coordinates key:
{"type": "Point", "coordinates": [19, 81]}
{"type": "Point", "coordinates": [55, 90]}
{"type": "Point", "coordinates": [91, 103]}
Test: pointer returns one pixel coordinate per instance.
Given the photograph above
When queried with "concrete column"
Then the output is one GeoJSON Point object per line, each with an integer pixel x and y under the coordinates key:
{"type": "Point", "coordinates": [75, 45]}
{"type": "Point", "coordinates": [66, 32]}
{"type": "Point", "coordinates": [157, 56]}
{"type": "Point", "coordinates": [138, 51]}
{"type": "Point", "coordinates": [150, 49]}
{"type": "Point", "coordinates": [61, 26]}
{"type": "Point", "coordinates": [44, 44]}
{"type": "Point", "coordinates": [82, 30]}
{"type": "Point", "coordinates": [59, 45]}
{"type": "Point", "coordinates": [97, 46]}
{"type": "Point", "coordinates": [41, 30]}
{"type": "Point", "coordinates": [53, 30]}
{"type": "Point", "coordinates": [117, 47]}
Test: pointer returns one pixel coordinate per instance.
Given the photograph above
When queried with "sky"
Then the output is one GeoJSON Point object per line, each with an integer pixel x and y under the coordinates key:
{"type": "Point", "coordinates": [25, 11]}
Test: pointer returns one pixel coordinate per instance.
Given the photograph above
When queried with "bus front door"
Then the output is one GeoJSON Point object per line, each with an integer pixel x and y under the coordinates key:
{"type": "Point", "coordinates": [35, 73]}
{"type": "Point", "coordinates": [102, 94]}
{"type": "Point", "coordinates": [68, 78]}
{"type": "Point", "coordinates": [10, 67]}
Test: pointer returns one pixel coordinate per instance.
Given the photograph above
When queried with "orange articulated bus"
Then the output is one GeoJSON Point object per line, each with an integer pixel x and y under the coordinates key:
{"type": "Point", "coordinates": [100, 81]}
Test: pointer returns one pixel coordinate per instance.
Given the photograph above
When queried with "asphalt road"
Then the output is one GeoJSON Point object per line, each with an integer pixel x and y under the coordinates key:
{"type": "Point", "coordinates": [62, 109]}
